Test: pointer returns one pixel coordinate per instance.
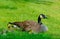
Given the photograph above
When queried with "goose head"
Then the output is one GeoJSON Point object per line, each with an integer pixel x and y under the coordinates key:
{"type": "Point", "coordinates": [41, 16]}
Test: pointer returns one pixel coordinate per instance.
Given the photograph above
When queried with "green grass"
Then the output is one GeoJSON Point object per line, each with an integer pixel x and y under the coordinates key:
{"type": "Point", "coordinates": [20, 10]}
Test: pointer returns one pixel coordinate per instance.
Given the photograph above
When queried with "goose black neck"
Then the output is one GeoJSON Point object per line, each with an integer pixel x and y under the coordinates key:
{"type": "Point", "coordinates": [39, 20]}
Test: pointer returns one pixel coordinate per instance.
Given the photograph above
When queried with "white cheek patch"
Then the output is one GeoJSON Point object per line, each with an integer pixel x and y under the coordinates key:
{"type": "Point", "coordinates": [41, 16]}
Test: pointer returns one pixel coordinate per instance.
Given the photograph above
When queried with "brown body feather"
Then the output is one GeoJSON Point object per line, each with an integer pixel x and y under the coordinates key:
{"type": "Point", "coordinates": [28, 25]}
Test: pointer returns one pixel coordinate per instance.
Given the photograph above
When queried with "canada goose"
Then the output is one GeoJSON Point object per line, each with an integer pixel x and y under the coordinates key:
{"type": "Point", "coordinates": [30, 25]}
{"type": "Point", "coordinates": [43, 28]}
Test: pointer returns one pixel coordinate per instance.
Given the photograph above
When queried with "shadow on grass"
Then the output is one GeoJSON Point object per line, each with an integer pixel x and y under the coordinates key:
{"type": "Point", "coordinates": [8, 7]}
{"type": "Point", "coordinates": [25, 35]}
{"type": "Point", "coordinates": [40, 2]}
{"type": "Point", "coordinates": [36, 1]}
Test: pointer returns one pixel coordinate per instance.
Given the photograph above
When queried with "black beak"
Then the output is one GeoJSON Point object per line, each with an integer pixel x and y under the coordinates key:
{"type": "Point", "coordinates": [45, 17]}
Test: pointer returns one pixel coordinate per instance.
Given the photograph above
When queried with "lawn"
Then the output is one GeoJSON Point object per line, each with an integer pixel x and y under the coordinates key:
{"type": "Point", "coordinates": [21, 10]}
